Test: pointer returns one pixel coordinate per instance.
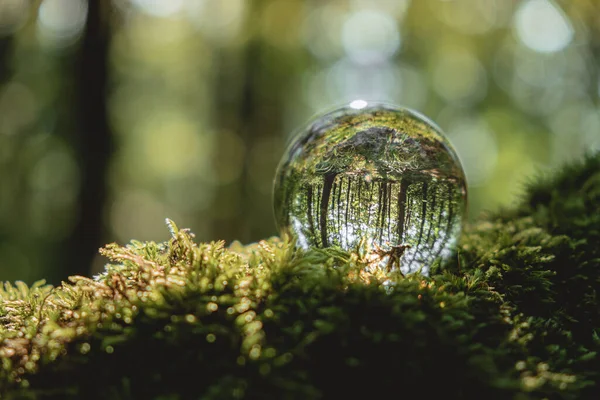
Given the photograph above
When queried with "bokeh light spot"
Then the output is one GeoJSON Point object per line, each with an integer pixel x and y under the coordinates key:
{"type": "Point", "coordinates": [321, 30]}
{"type": "Point", "coordinates": [542, 26]}
{"type": "Point", "coordinates": [370, 36]}
{"type": "Point", "coordinates": [61, 22]}
{"type": "Point", "coordinates": [18, 108]}
{"type": "Point", "coordinates": [172, 144]}
{"type": "Point", "coordinates": [474, 16]}
{"type": "Point", "coordinates": [220, 21]}
{"type": "Point", "coordinates": [159, 8]}
{"type": "Point", "coordinates": [459, 76]}
{"type": "Point", "coordinates": [281, 22]}
{"type": "Point", "coordinates": [56, 177]}
{"type": "Point", "coordinates": [476, 145]}
{"type": "Point", "coordinates": [13, 15]}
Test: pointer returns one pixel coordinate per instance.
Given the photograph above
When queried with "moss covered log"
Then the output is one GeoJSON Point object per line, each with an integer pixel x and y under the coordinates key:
{"type": "Point", "coordinates": [514, 316]}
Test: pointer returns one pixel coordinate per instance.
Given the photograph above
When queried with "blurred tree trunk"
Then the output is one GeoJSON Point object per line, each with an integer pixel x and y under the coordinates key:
{"type": "Point", "coordinates": [237, 100]}
{"type": "Point", "coordinates": [5, 56]}
{"type": "Point", "coordinates": [5, 47]}
{"type": "Point", "coordinates": [94, 141]}
{"type": "Point", "coordinates": [248, 115]}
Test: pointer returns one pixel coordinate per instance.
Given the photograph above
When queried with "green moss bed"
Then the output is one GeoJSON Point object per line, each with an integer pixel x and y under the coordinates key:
{"type": "Point", "coordinates": [515, 315]}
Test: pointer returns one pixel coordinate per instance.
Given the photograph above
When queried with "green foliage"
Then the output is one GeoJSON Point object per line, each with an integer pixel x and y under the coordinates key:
{"type": "Point", "coordinates": [515, 315]}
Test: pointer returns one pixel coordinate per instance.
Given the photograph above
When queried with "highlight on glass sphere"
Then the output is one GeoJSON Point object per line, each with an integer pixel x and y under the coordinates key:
{"type": "Point", "coordinates": [377, 174]}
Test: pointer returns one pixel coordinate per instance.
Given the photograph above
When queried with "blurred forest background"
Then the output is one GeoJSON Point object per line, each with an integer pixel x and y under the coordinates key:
{"type": "Point", "coordinates": [117, 114]}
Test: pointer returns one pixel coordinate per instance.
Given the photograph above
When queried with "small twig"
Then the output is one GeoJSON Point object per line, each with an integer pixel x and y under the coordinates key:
{"type": "Point", "coordinates": [37, 330]}
{"type": "Point", "coordinates": [39, 322]}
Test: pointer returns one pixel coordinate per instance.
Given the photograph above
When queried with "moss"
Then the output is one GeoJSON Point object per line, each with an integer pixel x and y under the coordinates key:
{"type": "Point", "coordinates": [515, 315]}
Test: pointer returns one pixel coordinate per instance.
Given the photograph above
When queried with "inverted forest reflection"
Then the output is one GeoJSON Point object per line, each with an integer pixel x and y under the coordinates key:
{"type": "Point", "coordinates": [420, 213]}
{"type": "Point", "coordinates": [380, 173]}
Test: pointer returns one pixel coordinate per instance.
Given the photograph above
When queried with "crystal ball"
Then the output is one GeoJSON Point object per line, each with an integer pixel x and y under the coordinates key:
{"type": "Point", "coordinates": [375, 174]}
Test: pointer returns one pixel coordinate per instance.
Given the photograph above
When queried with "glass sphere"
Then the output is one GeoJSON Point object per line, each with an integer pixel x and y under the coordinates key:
{"type": "Point", "coordinates": [376, 173]}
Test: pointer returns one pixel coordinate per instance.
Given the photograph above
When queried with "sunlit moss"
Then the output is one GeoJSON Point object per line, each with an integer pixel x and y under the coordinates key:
{"type": "Point", "coordinates": [514, 316]}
